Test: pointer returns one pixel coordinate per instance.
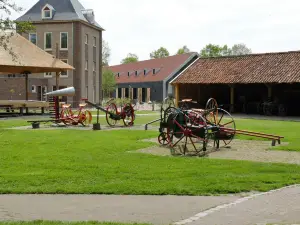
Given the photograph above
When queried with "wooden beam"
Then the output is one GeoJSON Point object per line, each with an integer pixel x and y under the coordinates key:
{"type": "Point", "coordinates": [176, 95]}
{"type": "Point", "coordinates": [269, 86]}
{"type": "Point", "coordinates": [231, 99]}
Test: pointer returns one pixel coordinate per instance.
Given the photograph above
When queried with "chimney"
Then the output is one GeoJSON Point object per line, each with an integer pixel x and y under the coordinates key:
{"type": "Point", "coordinates": [89, 15]}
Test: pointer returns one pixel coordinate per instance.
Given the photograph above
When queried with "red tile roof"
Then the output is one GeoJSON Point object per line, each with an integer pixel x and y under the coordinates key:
{"type": "Point", "coordinates": [280, 67]}
{"type": "Point", "coordinates": [164, 67]}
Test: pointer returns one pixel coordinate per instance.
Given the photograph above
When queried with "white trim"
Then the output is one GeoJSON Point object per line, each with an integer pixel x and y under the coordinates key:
{"type": "Point", "coordinates": [86, 39]}
{"type": "Point", "coordinates": [184, 70]}
{"type": "Point", "coordinates": [50, 9]}
{"type": "Point", "coordinates": [61, 41]}
{"type": "Point", "coordinates": [33, 88]}
{"type": "Point", "coordinates": [86, 66]}
{"type": "Point", "coordinates": [29, 35]}
{"type": "Point", "coordinates": [94, 41]}
{"type": "Point", "coordinates": [45, 34]}
{"type": "Point", "coordinates": [65, 61]}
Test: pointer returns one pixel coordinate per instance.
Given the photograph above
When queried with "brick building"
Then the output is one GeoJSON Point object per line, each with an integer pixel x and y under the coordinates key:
{"type": "Point", "coordinates": [79, 38]}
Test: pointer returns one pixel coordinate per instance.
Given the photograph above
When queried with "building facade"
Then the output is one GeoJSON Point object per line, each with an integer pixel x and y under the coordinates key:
{"type": "Point", "coordinates": [68, 27]}
{"type": "Point", "coordinates": [148, 80]}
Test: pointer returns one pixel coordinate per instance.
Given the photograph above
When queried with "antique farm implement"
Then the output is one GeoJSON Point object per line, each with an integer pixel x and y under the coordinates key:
{"type": "Point", "coordinates": [112, 114]}
{"type": "Point", "coordinates": [197, 130]}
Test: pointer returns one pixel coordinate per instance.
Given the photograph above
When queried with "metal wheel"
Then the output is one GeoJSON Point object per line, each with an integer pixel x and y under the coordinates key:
{"type": "Point", "coordinates": [187, 134]}
{"type": "Point", "coordinates": [211, 111]}
{"type": "Point", "coordinates": [163, 139]}
{"type": "Point", "coordinates": [227, 128]}
{"type": "Point", "coordinates": [128, 115]}
{"type": "Point", "coordinates": [86, 118]}
{"type": "Point", "coordinates": [111, 110]}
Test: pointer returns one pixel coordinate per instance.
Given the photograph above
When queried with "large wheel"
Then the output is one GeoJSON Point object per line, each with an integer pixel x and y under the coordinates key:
{"type": "Point", "coordinates": [65, 116]}
{"type": "Point", "coordinates": [227, 128]}
{"type": "Point", "coordinates": [128, 115]}
{"type": "Point", "coordinates": [186, 134]}
{"type": "Point", "coordinates": [163, 139]}
{"type": "Point", "coordinates": [111, 110]}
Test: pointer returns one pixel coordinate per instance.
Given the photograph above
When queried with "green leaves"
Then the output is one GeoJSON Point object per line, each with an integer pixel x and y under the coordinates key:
{"type": "Point", "coordinates": [130, 58]}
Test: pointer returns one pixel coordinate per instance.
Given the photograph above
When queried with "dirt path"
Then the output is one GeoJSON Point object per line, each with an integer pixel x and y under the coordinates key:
{"type": "Point", "coordinates": [240, 150]}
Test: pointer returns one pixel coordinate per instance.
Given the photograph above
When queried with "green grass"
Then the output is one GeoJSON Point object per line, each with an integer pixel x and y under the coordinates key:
{"type": "Point", "coordinates": [73, 161]}
{"type": "Point", "coordinates": [41, 222]}
{"type": "Point", "coordinates": [288, 129]}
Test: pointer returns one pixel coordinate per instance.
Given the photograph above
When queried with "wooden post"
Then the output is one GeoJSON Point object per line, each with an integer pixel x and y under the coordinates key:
{"type": "Point", "coordinates": [176, 94]}
{"type": "Point", "coordinates": [148, 94]}
{"type": "Point", "coordinates": [117, 92]}
{"type": "Point", "coordinates": [269, 86]}
{"type": "Point", "coordinates": [26, 91]}
{"type": "Point", "coordinates": [57, 73]}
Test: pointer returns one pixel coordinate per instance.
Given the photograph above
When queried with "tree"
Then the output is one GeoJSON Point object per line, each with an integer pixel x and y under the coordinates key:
{"type": "Point", "coordinates": [105, 53]}
{"type": "Point", "coordinates": [130, 58]}
{"type": "Point", "coordinates": [9, 27]}
{"type": "Point", "coordinates": [183, 50]}
{"type": "Point", "coordinates": [212, 50]}
{"type": "Point", "coordinates": [160, 53]}
{"type": "Point", "coordinates": [108, 82]}
{"type": "Point", "coordinates": [240, 49]}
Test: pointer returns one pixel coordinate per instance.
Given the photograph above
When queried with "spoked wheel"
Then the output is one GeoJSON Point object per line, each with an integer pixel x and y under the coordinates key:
{"type": "Point", "coordinates": [86, 118]}
{"type": "Point", "coordinates": [64, 117]}
{"type": "Point", "coordinates": [128, 115]}
{"type": "Point", "coordinates": [227, 128]}
{"type": "Point", "coordinates": [211, 111]}
{"type": "Point", "coordinates": [187, 135]}
{"type": "Point", "coordinates": [111, 110]}
{"type": "Point", "coordinates": [163, 139]}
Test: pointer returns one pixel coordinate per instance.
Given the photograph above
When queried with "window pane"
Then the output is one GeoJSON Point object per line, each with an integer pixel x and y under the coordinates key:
{"type": "Point", "coordinates": [47, 13]}
{"type": "Point", "coordinates": [64, 40]}
{"type": "Point", "coordinates": [32, 38]}
{"type": "Point", "coordinates": [48, 40]}
{"type": "Point", "coordinates": [94, 41]}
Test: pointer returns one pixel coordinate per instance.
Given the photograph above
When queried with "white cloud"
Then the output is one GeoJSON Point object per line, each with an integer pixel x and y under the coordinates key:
{"type": "Point", "coordinates": [142, 26]}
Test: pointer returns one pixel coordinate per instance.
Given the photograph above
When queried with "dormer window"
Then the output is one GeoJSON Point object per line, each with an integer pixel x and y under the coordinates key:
{"type": "Point", "coordinates": [47, 12]}
{"type": "Point", "coordinates": [154, 70]}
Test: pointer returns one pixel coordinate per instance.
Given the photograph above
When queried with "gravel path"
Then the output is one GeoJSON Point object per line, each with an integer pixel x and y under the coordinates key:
{"type": "Point", "coordinates": [239, 150]}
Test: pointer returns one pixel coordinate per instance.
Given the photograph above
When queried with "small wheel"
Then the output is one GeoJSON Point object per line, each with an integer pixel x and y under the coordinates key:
{"type": "Point", "coordinates": [111, 110]}
{"type": "Point", "coordinates": [211, 111]}
{"type": "Point", "coordinates": [129, 116]}
{"type": "Point", "coordinates": [163, 139]}
{"type": "Point", "coordinates": [86, 118]}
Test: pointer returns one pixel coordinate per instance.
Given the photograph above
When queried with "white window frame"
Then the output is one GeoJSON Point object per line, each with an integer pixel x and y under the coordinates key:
{"type": "Point", "coordinates": [29, 38]}
{"type": "Point", "coordinates": [45, 34]}
{"type": "Point", "coordinates": [94, 66]}
{"type": "Point", "coordinates": [33, 88]}
{"type": "Point", "coordinates": [86, 40]}
{"type": "Point", "coordinates": [46, 74]}
{"type": "Point", "coordinates": [86, 65]}
{"type": "Point", "coordinates": [95, 42]}
{"type": "Point", "coordinates": [43, 12]}
{"type": "Point", "coordinates": [65, 61]}
{"type": "Point", "coordinates": [61, 41]}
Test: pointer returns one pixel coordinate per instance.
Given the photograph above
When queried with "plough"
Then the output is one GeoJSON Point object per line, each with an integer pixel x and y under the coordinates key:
{"type": "Point", "coordinates": [196, 130]}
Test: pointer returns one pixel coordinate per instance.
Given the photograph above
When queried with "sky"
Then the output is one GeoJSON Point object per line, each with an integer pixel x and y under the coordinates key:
{"type": "Point", "coordinates": [140, 27]}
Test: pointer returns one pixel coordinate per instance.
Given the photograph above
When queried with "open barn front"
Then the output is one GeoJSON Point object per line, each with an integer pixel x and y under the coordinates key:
{"type": "Point", "coordinates": [202, 92]}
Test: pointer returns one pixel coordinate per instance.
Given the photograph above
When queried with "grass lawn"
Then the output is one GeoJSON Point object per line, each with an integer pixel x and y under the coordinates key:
{"type": "Point", "coordinates": [73, 161]}
{"type": "Point", "coordinates": [41, 222]}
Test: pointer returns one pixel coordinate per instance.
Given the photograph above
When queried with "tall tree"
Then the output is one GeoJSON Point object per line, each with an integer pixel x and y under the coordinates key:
{"type": "Point", "coordinates": [108, 82]}
{"type": "Point", "coordinates": [160, 53]}
{"type": "Point", "coordinates": [8, 27]}
{"type": "Point", "coordinates": [240, 49]}
{"type": "Point", "coordinates": [183, 50]}
{"type": "Point", "coordinates": [130, 58]}
{"type": "Point", "coordinates": [105, 53]}
{"type": "Point", "coordinates": [212, 50]}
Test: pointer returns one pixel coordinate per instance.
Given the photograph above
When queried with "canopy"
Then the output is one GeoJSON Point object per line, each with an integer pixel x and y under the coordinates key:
{"type": "Point", "coordinates": [27, 57]}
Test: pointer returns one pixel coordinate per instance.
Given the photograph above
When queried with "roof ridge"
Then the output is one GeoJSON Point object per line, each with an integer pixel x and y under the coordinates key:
{"type": "Point", "coordinates": [147, 60]}
{"type": "Point", "coordinates": [253, 54]}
